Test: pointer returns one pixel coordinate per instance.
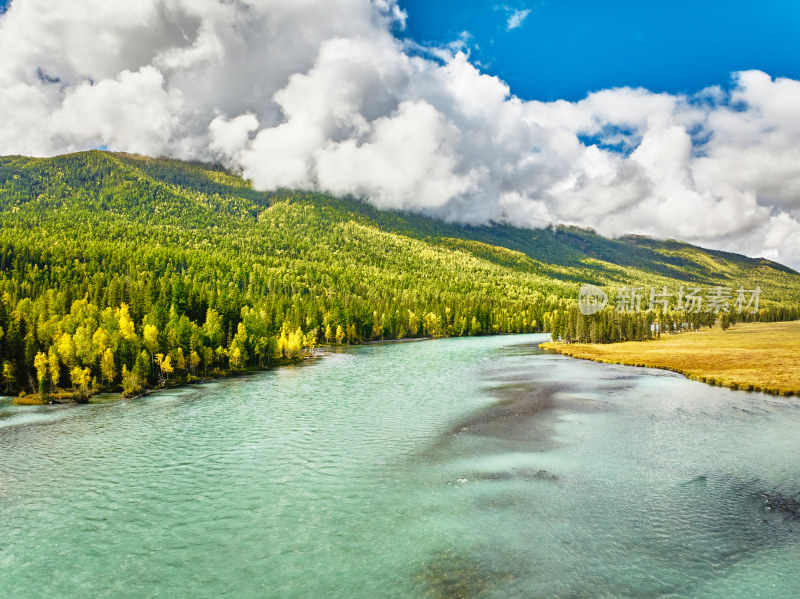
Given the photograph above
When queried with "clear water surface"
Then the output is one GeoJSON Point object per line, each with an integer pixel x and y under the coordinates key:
{"type": "Point", "coordinates": [475, 467]}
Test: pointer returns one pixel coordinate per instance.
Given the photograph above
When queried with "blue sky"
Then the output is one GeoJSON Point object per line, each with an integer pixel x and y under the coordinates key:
{"type": "Point", "coordinates": [565, 49]}
{"type": "Point", "coordinates": [562, 50]}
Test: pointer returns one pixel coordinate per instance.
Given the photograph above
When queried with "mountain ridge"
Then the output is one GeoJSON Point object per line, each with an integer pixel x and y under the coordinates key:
{"type": "Point", "coordinates": [165, 182]}
{"type": "Point", "coordinates": [92, 239]}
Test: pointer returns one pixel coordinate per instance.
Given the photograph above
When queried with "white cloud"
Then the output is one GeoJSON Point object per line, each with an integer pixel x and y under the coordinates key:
{"type": "Point", "coordinates": [516, 18]}
{"type": "Point", "coordinates": [321, 95]}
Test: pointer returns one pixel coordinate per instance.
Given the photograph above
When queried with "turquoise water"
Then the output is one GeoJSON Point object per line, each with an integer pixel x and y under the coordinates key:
{"type": "Point", "coordinates": [454, 468]}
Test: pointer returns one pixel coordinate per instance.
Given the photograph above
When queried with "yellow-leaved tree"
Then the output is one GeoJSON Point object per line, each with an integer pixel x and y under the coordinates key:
{"type": "Point", "coordinates": [131, 383]}
{"type": "Point", "coordinates": [66, 350]}
{"type": "Point", "coordinates": [42, 365]}
{"type": "Point", "coordinates": [107, 368]}
{"type": "Point", "coordinates": [126, 327]}
{"type": "Point", "coordinates": [80, 378]}
{"type": "Point", "coordinates": [166, 366]}
{"type": "Point", "coordinates": [150, 335]}
{"type": "Point", "coordinates": [55, 368]}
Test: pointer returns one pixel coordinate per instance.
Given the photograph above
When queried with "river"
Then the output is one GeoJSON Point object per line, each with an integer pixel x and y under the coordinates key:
{"type": "Point", "coordinates": [479, 467]}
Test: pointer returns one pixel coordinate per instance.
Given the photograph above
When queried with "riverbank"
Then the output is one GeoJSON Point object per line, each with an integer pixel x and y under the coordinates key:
{"type": "Point", "coordinates": [70, 397]}
{"type": "Point", "coordinates": [756, 356]}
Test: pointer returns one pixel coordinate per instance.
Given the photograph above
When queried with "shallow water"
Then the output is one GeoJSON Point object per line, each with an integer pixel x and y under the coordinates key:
{"type": "Point", "coordinates": [452, 468]}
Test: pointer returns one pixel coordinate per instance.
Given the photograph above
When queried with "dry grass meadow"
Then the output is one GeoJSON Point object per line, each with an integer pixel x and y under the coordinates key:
{"type": "Point", "coordinates": [755, 356]}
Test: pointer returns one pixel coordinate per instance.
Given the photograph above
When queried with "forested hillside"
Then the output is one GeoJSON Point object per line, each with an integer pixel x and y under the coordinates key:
{"type": "Point", "coordinates": [119, 270]}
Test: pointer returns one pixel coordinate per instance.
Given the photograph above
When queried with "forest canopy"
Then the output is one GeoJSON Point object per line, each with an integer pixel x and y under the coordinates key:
{"type": "Point", "coordinates": [119, 271]}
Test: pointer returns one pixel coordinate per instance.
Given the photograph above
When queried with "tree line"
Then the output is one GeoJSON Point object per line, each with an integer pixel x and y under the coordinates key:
{"type": "Point", "coordinates": [610, 325]}
{"type": "Point", "coordinates": [126, 273]}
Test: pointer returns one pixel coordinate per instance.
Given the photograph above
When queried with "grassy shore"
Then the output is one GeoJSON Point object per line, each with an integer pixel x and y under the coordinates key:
{"type": "Point", "coordinates": [755, 356]}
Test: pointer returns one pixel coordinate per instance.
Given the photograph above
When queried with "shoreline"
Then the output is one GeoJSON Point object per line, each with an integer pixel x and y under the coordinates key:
{"type": "Point", "coordinates": [317, 352]}
{"type": "Point", "coordinates": [32, 399]}
{"type": "Point", "coordinates": [760, 357]}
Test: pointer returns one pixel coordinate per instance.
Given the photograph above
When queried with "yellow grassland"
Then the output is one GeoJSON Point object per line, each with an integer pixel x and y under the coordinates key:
{"type": "Point", "coordinates": [757, 356]}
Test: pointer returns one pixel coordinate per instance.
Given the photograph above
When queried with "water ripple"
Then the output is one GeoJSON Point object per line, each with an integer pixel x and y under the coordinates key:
{"type": "Point", "coordinates": [470, 466]}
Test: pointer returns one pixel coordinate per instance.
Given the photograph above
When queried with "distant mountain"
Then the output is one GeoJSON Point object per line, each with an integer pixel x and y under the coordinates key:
{"type": "Point", "coordinates": [175, 241]}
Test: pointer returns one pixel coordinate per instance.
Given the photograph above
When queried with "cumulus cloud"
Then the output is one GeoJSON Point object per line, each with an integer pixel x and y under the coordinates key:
{"type": "Point", "coordinates": [323, 95]}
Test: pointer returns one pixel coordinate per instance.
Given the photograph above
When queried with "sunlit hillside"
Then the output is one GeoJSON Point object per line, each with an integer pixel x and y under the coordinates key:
{"type": "Point", "coordinates": [109, 261]}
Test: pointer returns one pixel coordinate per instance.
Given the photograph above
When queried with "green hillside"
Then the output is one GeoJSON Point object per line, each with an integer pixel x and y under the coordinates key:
{"type": "Point", "coordinates": [124, 270]}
